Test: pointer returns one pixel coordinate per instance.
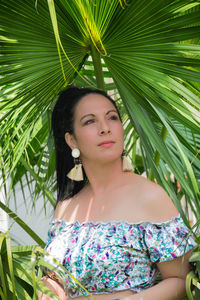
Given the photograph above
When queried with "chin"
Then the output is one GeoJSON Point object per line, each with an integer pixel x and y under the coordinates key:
{"type": "Point", "coordinates": [109, 157]}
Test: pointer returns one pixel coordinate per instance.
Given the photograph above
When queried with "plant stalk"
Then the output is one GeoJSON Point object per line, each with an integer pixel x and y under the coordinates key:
{"type": "Point", "coordinates": [157, 154]}
{"type": "Point", "coordinates": [96, 58]}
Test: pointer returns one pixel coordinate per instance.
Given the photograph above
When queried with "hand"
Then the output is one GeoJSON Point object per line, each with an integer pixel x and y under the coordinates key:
{"type": "Point", "coordinates": [54, 287]}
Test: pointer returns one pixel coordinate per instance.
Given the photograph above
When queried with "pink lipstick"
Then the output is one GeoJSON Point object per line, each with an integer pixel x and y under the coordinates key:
{"type": "Point", "coordinates": [106, 144]}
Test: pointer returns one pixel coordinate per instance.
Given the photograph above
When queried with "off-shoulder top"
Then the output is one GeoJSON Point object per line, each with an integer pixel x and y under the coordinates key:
{"type": "Point", "coordinates": [117, 255]}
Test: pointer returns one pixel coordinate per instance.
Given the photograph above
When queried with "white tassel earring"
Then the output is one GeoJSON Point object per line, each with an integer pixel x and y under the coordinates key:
{"type": "Point", "coordinates": [126, 165]}
{"type": "Point", "coordinates": [76, 173]}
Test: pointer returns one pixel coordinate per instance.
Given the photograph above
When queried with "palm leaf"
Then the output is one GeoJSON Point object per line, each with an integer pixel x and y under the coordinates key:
{"type": "Point", "coordinates": [145, 57]}
{"type": "Point", "coordinates": [144, 53]}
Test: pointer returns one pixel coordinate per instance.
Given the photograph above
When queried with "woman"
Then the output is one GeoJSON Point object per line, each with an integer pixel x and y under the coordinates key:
{"type": "Point", "coordinates": [113, 229]}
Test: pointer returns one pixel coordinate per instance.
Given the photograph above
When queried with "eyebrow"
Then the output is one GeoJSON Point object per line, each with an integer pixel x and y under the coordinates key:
{"type": "Point", "coordinates": [92, 115]}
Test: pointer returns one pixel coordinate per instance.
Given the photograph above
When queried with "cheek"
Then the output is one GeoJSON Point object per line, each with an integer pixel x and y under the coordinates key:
{"type": "Point", "coordinates": [85, 137]}
{"type": "Point", "coordinates": [120, 135]}
{"type": "Point", "coordinates": [120, 131]}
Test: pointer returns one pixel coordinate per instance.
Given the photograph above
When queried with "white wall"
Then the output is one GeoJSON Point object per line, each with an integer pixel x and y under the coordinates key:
{"type": "Point", "coordinates": [34, 217]}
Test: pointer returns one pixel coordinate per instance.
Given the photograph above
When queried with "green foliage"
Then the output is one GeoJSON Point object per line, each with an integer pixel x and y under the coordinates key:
{"type": "Point", "coordinates": [20, 271]}
{"type": "Point", "coordinates": [193, 278]}
{"type": "Point", "coordinates": [144, 53]}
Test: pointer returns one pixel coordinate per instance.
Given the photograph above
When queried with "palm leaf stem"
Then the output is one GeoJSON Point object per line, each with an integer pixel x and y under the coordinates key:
{"type": "Point", "coordinates": [2, 274]}
{"type": "Point", "coordinates": [2, 295]}
{"type": "Point", "coordinates": [10, 265]}
{"type": "Point", "coordinates": [157, 154]}
{"type": "Point", "coordinates": [96, 58]}
{"type": "Point", "coordinates": [56, 32]}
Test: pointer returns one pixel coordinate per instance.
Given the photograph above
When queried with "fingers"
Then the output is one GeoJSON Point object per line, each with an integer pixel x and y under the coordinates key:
{"type": "Point", "coordinates": [42, 296]}
{"type": "Point", "coordinates": [54, 287]}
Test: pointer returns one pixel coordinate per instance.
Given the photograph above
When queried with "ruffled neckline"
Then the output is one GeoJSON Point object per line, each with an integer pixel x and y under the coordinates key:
{"type": "Point", "coordinates": [113, 222]}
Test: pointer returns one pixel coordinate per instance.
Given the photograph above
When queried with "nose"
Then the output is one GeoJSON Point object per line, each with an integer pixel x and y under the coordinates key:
{"type": "Point", "coordinates": [104, 128]}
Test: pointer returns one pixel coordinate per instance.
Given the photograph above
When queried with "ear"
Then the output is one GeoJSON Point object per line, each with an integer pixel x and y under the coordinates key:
{"type": "Point", "coordinates": [70, 140]}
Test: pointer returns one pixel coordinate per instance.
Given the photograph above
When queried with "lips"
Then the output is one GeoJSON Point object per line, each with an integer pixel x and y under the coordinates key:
{"type": "Point", "coordinates": [106, 143]}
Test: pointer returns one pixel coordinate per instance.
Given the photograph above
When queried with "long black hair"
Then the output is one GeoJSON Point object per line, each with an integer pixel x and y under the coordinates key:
{"type": "Point", "coordinates": [62, 122]}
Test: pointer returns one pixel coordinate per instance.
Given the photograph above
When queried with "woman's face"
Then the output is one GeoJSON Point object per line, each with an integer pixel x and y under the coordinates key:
{"type": "Point", "coordinates": [98, 131]}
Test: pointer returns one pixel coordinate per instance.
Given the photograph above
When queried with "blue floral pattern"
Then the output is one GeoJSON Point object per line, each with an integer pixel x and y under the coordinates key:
{"type": "Point", "coordinates": [116, 255]}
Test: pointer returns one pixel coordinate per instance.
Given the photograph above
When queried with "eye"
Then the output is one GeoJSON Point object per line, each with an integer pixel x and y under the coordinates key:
{"type": "Point", "coordinates": [114, 117]}
{"type": "Point", "coordinates": [90, 121]}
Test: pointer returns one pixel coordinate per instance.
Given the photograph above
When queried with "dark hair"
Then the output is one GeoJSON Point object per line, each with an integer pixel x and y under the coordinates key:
{"type": "Point", "coordinates": [62, 122]}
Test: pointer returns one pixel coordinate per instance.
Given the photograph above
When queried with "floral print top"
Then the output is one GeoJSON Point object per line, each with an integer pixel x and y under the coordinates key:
{"type": "Point", "coordinates": [116, 255]}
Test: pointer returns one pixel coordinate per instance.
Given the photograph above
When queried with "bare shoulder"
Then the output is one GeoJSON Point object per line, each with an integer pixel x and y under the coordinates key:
{"type": "Point", "coordinates": [157, 205]}
{"type": "Point", "coordinates": [61, 209]}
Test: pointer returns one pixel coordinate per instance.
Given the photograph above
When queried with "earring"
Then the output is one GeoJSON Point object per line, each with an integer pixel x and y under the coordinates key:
{"type": "Point", "coordinates": [76, 173]}
{"type": "Point", "coordinates": [126, 165]}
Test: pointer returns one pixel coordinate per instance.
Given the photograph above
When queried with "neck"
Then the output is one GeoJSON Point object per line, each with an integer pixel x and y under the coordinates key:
{"type": "Point", "coordinates": [102, 176]}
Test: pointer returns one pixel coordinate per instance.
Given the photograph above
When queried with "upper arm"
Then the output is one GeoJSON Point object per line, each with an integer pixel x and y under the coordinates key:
{"type": "Point", "coordinates": [178, 267]}
{"type": "Point", "coordinates": [163, 209]}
